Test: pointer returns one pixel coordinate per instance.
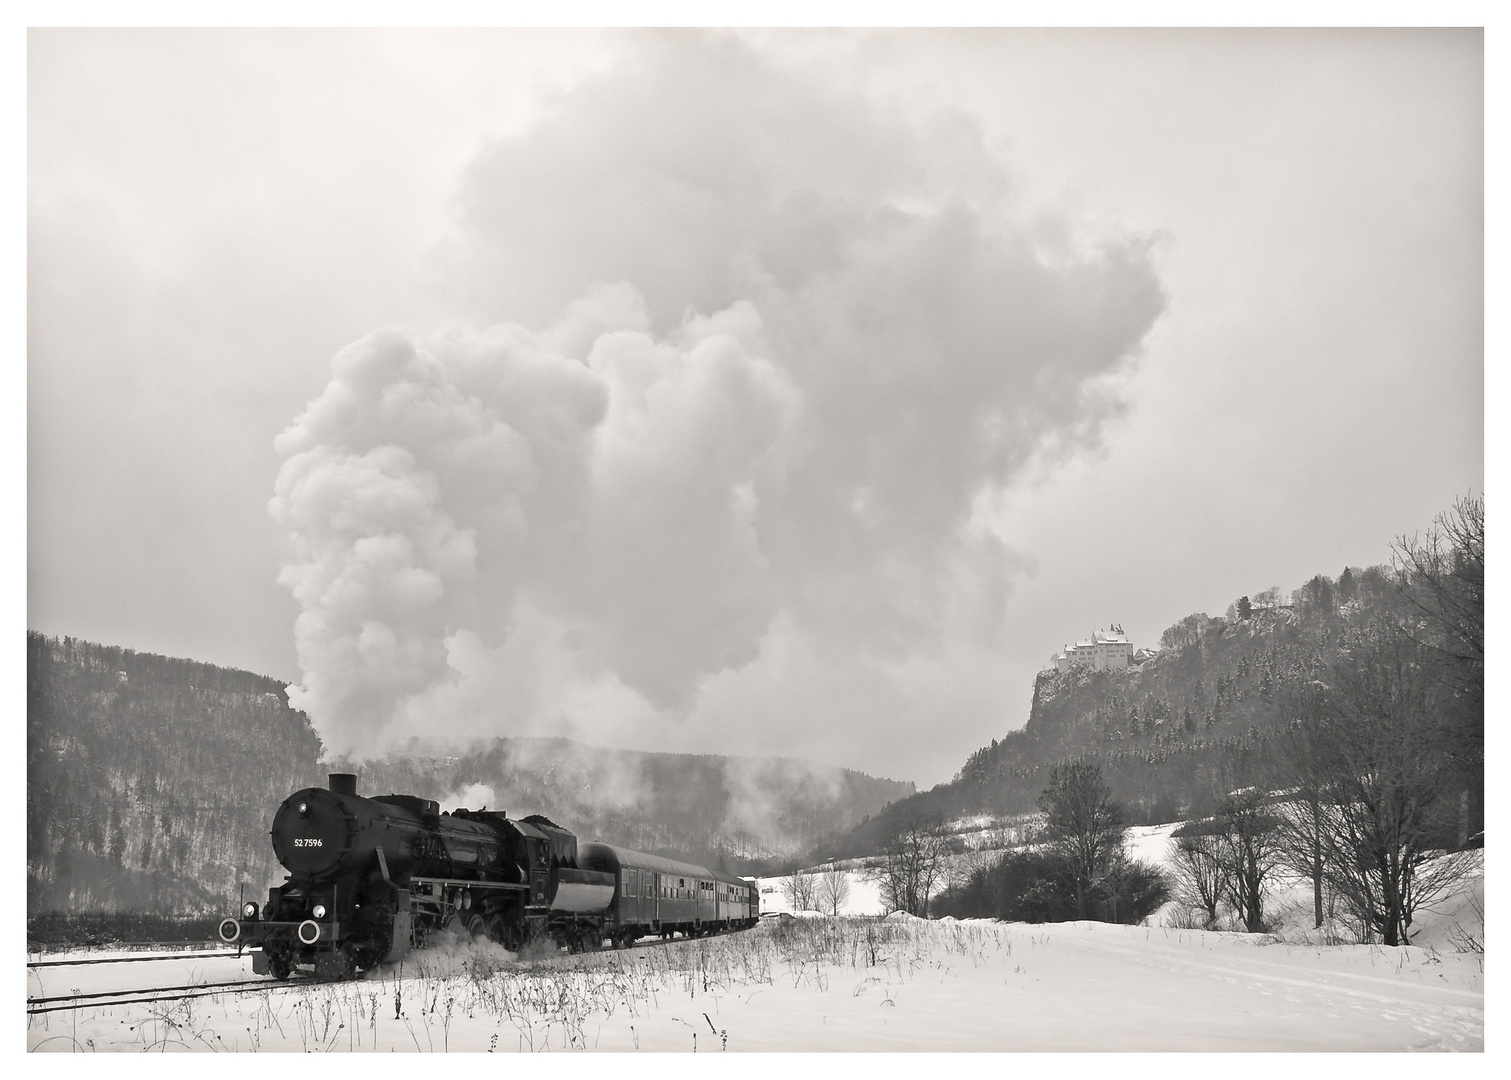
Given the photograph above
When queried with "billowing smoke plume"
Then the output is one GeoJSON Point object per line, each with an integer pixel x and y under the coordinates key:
{"type": "Point", "coordinates": [757, 348]}
{"type": "Point", "coordinates": [472, 797]}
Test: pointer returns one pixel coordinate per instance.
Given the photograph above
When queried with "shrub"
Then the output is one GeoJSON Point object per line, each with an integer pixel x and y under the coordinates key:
{"type": "Point", "coordinates": [1038, 886]}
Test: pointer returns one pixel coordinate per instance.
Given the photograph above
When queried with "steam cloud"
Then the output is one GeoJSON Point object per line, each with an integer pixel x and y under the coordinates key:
{"type": "Point", "coordinates": [756, 346]}
{"type": "Point", "coordinates": [472, 796]}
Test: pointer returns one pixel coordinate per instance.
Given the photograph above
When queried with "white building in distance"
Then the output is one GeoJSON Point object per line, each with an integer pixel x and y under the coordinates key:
{"type": "Point", "coordinates": [1108, 648]}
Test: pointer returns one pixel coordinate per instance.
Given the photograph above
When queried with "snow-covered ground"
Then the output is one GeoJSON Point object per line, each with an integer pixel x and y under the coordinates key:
{"type": "Point", "coordinates": [818, 984]}
{"type": "Point", "coordinates": [849, 984]}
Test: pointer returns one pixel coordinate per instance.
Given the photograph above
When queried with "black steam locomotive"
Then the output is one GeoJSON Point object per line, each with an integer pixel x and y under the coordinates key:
{"type": "Point", "coordinates": [369, 879]}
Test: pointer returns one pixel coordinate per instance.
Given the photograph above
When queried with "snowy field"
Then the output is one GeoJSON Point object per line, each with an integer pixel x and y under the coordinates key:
{"type": "Point", "coordinates": [818, 984]}
{"type": "Point", "coordinates": [855, 983]}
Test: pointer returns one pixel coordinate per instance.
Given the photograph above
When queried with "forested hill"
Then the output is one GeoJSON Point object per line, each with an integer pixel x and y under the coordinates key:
{"type": "Point", "coordinates": [151, 785]}
{"type": "Point", "coordinates": [1161, 729]}
{"type": "Point", "coordinates": [1173, 734]}
{"type": "Point", "coordinates": [149, 780]}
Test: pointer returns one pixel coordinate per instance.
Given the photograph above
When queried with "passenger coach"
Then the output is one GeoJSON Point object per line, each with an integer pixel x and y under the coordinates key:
{"type": "Point", "coordinates": [655, 895]}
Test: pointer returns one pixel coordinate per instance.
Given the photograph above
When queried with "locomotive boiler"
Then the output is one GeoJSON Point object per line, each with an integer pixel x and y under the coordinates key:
{"type": "Point", "coordinates": [371, 878]}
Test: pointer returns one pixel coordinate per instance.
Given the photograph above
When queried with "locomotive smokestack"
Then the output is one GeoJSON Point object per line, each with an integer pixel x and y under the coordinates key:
{"type": "Point", "coordinates": [343, 783]}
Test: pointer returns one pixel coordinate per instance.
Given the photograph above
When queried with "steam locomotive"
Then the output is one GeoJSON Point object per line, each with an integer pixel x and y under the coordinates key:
{"type": "Point", "coordinates": [371, 878]}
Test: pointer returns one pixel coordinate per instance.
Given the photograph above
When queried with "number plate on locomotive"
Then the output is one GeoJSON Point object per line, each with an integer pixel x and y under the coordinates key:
{"type": "Point", "coordinates": [307, 841]}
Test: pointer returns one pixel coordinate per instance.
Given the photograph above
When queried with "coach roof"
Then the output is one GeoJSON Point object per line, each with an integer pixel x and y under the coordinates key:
{"type": "Point", "coordinates": [617, 857]}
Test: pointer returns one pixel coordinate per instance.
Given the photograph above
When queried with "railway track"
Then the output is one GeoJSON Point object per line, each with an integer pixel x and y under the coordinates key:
{"type": "Point", "coordinates": [128, 959]}
{"type": "Point", "coordinates": [153, 995]}
{"type": "Point", "coordinates": [148, 996]}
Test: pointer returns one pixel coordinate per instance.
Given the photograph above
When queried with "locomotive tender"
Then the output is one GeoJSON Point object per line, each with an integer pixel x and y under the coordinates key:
{"type": "Point", "coordinates": [371, 878]}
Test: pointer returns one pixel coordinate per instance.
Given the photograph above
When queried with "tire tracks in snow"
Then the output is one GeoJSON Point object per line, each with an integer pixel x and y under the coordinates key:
{"type": "Point", "coordinates": [1392, 990]}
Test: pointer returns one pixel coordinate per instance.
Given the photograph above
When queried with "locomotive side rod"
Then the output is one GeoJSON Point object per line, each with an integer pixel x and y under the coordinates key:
{"type": "Point", "coordinates": [462, 883]}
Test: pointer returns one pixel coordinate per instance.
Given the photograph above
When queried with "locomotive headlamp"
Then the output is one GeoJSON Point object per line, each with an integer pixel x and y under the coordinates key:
{"type": "Point", "coordinates": [319, 911]}
{"type": "Point", "coordinates": [249, 910]}
{"type": "Point", "coordinates": [304, 808]}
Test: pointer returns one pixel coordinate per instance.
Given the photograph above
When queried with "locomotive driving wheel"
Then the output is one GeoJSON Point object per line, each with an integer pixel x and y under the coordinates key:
{"type": "Point", "coordinates": [493, 925]}
{"type": "Point", "coordinates": [279, 966]}
{"type": "Point", "coordinates": [475, 925]}
{"type": "Point", "coordinates": [514, 934]}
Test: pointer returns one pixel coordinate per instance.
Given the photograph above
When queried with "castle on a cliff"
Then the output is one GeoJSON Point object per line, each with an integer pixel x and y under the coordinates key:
{"type": "Point", "coordinates": [1108, 648]}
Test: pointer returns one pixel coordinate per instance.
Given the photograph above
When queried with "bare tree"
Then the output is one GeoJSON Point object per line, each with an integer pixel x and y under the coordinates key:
{"type": "Point", "coordinates": [833, 889]}
{"type": "Point", "coordinates": [1443, 577]}
{"type": "Point", "coordinates": [913, 862]}
{"type": "Point", "coordinates": [1248, 853]}
{"type": "Point", "coordinates": [1083, 826]}
{"type": "Point", "coordinates": [801, 889]}
{"type": "Point", "coordinates": [1300, 823]}
{"type": "Point", "coordinates": [1198, 871]}
{"type": "Point", "coordinates": [1382, 783]}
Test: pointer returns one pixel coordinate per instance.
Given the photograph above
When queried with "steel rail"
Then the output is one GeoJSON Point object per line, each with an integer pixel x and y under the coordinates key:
{"type": "Point", "coordinates": [143, 990]}
{"type": "Point", "coordinates": [128, 959]}
{"type": "Point", "coordinates": [64, 1002]}
{"type": "Point", "coordinates": [138, 1000]}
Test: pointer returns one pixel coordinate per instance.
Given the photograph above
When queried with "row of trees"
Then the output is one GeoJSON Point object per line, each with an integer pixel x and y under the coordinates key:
{"type": "Point", "coordinates": [826, 889]}
{"type": "Point", "coordinates": [1377, 771]}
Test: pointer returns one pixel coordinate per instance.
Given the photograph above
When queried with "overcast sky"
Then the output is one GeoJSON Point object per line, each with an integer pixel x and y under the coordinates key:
{"type": "Point", "coordinates": [789, 393]}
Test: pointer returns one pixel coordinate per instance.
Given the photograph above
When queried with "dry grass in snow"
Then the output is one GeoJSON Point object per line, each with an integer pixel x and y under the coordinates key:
{"type": "Point", "coordinates": [843, 984]}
